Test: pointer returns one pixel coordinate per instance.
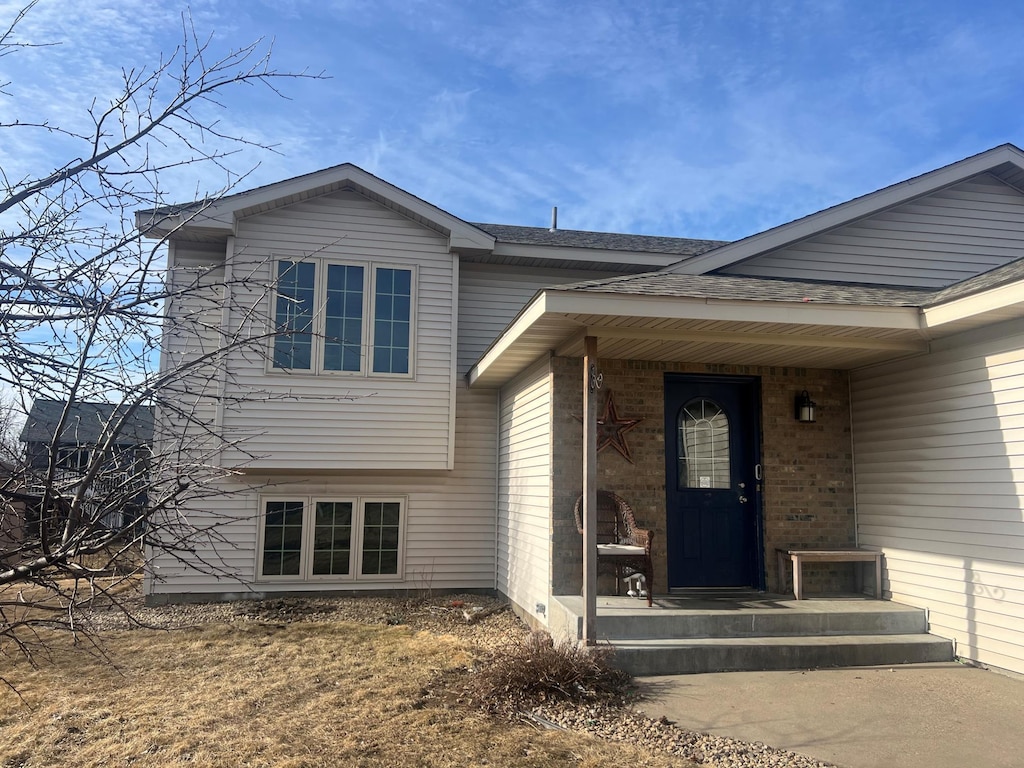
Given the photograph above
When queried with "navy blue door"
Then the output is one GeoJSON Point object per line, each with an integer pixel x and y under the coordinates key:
{"type": "Point", "coordinates": [712, 481]}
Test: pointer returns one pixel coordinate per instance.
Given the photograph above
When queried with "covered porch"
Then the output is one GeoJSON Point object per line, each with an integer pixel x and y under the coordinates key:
{"type": "Point", "coordinates": [623, 363]}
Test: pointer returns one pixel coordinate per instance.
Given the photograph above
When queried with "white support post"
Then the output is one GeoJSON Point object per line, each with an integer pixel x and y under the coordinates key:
{"type": "Point", "coordinates": [589, 493]}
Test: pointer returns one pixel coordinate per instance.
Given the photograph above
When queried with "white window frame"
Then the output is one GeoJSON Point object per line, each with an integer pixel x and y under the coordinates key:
{"type": "Point", "coordinates": [366, 342]}
{"type": "Point", "coordinates": [309, 501]}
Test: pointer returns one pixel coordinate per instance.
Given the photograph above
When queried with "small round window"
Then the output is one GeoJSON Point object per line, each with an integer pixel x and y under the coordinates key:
{"type": "Point", "coordinates": [702, 445]}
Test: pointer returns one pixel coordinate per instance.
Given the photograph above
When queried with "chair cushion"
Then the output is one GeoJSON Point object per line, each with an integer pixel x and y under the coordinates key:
{"type": "Point", "coordinates": [619, 549]}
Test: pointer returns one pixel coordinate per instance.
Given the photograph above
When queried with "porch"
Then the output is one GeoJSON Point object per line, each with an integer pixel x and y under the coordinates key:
{"type": "Point", "coordinates": [743, 631]}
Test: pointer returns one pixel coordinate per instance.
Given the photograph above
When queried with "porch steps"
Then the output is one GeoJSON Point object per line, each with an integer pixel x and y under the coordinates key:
{"type": "Point", "coordinates": [738, 654]}
{"type": "Point", "coordinates": [682, 635]}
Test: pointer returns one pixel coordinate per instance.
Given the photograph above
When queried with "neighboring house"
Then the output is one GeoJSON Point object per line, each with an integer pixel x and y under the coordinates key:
{"type": "Point", "coordinates": [13, 505]}
{"type": "Point", "coordinates": [420, 425]}
{"type": "Point", "coordinates": [72, 438]}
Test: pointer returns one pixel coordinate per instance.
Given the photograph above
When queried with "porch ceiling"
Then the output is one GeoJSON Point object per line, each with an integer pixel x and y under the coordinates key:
{"type": "Point", "coordinates": [702, 331]}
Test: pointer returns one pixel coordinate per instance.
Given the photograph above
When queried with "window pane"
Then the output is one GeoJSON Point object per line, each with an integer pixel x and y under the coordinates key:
{"type": "Point", "coordinates": [282, 538]}
{"type": "Point", "coordinates": [392, 308]}
{"type": "Point", "coordinates": [343, 318]}
{"type": "Point", "coordinates": [703, 446]}
{"type": "Point", "coordinates": [400, 334]}
{"type": "Point", "coordinates": [293, 315]}
{"type": "Point", "coordinates": [332, 538]}
{"type": "Point", "coordinates": [403, 282]}
{"type": "Point", "coordinates": [381, 533]}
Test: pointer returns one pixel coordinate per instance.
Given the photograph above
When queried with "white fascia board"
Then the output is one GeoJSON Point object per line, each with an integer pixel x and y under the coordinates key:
{"type": "Point", "coordinates": [1000, 300]}
{"type": "Point", "coordinates": [530, 314]}
{"type": "Point", "coordinates": [848, 212]}
{"type": "Point", "coordinates": [682, 308]}
{"type": "Point", "coordinates": [588, 255]}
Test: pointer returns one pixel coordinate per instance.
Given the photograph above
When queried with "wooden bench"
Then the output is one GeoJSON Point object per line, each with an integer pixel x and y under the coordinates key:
{"type": "Point", "coordinates": [620, 541]}
{"type": "Point", "coordinates": [801, 556]}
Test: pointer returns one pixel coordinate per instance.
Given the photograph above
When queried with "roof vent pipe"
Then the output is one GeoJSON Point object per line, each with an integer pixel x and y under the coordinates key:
{"type": "Point", "coordinates": [554, 218]}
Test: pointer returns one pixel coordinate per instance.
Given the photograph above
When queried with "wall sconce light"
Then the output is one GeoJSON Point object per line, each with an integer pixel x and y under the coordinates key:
{"type": "Point", "coordinates": [805, 408]}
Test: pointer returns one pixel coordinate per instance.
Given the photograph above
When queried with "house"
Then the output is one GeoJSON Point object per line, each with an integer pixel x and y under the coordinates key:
{"type": "Point", "coordinates": [422, 391]}
{"type": "Point", "coordinates": [70, 439]}
{"type": "Point", "coordinates": [13, 507]}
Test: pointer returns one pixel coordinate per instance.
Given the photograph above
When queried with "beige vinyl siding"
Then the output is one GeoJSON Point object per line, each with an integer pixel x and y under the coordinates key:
{"type": "Point", "coordinates": [449, 526]}
{"type": "Point", "coordinates": [490, 296]}
{"type": "Point", "coordinates": [939, 451]}
{"type": "Point", "coordinates": [299, 421]}
{"type": "Point", "coordinates": [524, 490]}
{"type": "Point", "coordinates": [195, 277]}
{"type": "Point", "coordinates": [938, 240]}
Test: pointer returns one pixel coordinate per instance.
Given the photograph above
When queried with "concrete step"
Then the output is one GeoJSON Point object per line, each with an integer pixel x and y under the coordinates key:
{"type": "Point", "coordinates": [858, 619]}
{"type": "Point", "coordinates": [694, 655]}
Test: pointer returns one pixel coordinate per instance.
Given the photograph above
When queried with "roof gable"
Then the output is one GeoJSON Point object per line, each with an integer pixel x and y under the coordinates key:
{"type": "Point", "coordinates": [216, 220]}
{"type": "Point", "coordinates": [1003, 165]}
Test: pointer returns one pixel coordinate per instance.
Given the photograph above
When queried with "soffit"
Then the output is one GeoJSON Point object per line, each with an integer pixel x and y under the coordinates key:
{"type": "Point", "coordinates": [703, 332]}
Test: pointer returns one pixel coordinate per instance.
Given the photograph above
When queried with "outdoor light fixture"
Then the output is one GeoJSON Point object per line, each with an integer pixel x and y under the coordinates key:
{"type": "Point", "coordinates": [805, 408]}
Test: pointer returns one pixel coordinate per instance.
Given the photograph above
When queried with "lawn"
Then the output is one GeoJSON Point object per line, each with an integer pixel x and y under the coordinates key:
{"type": "Point", "coordinates": [269, 693]}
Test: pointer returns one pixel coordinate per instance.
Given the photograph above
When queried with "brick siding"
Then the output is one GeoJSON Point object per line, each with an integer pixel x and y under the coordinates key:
{"type": "Point", "coordinates": [807, 494]}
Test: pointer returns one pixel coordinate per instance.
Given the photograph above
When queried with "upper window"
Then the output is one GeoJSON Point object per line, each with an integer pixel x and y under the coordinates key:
{"type": "Point", "coordinates": [73, 457]}
{"type": "Point", "coordinates": [325, 322]}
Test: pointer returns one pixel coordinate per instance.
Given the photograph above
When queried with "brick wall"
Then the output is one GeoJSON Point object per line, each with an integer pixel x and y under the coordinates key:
{"type": "Point", "coordinates": [807, 495]}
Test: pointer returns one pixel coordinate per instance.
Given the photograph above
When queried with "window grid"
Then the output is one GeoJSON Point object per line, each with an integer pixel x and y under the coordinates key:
{"type": "Point", "coordinates": [332, 538]}
{"type": "Point", "coordinates": [343, 318]}
{"type": "Point", "coordinates": [282, 538]}
{"type": "Point", "coordinates": [316, 538]}
{"type": "Point", "coordinates": [322, 313]}
{"type": "Point", "coordinates": [392, 303]}
{"type": "Point", "coordinates": [703, 446]}
{"type": "Point", "coordinates": [381, 521]}
{"type": "Point", "coordinates": [293, 319]}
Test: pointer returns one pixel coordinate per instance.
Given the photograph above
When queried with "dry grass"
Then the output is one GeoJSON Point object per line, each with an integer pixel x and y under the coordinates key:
{"type": "Point", "coordinates": [254, 693]}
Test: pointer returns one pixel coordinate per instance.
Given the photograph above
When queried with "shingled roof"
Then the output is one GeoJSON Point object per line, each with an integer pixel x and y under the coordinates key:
{"type": "Point", "coordinates": [993, 278]}
{"type": "Point", "coordinates": [752, 289]}
{"type": "Point", "coordinates": [85, 423]}
{"type": "Point", "coordinates": [609, 241]}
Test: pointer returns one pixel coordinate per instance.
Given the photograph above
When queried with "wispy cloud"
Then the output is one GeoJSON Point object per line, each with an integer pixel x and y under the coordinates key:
{"type": "Point", "coordinates": [706, 118]}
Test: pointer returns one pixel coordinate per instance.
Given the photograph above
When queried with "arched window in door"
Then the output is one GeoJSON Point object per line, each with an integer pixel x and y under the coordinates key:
{"type": "Point", "coordinates": [702, 440]}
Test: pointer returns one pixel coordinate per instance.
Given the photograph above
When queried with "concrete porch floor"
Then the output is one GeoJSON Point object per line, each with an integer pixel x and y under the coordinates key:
{"type": "Point", "coordinates": [683, 634]}
{"type": "Point", "coordinates": [729, 602]}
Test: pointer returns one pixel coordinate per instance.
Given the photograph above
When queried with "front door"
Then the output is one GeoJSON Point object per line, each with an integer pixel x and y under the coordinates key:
{"type": "Point", "coordinates": [712, 481]}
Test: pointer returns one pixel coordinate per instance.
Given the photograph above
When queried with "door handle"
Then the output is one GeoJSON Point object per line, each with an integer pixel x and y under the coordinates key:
{"type": "Point", "coordinates": [743, 499]}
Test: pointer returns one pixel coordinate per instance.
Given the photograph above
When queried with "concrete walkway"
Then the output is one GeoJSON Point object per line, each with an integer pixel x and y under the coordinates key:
{"type": "Point", "coordinates": [913, 716]}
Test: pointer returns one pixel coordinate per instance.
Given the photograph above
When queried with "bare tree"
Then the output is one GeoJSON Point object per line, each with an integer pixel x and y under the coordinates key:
{"type": "Point", "coordinates": [81, 321]}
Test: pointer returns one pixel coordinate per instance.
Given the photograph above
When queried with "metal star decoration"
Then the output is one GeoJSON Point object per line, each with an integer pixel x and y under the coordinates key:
{"type": "Point", "coordinates": [612, 429]}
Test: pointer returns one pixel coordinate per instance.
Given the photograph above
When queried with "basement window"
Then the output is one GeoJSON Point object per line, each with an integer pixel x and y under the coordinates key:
{"type": "Point", "coordinates": [312, 538]}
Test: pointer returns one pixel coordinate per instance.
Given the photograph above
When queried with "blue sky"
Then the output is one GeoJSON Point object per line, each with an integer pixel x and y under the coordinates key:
{"type": "Point", "coordinates": [698, 119]}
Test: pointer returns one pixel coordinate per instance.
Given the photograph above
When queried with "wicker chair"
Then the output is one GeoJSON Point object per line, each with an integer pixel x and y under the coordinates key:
{"type": "Point", "coordinates": [619, 540]}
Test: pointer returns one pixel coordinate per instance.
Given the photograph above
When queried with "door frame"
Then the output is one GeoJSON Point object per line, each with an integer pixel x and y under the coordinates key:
{"type": "Point", "coordinates": [756, 442]}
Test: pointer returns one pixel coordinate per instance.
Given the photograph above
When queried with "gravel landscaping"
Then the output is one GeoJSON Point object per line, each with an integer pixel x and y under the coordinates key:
{"type": "Point", "coordinates": [483, 622]}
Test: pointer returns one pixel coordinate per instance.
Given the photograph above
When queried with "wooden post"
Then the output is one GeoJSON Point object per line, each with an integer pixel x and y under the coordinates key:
{"type": "Point", "coordinates": [589, 493]}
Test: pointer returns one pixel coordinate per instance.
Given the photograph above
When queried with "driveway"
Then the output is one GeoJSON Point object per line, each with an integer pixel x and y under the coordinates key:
{"type": "Point", "coordinates": [911, 716]}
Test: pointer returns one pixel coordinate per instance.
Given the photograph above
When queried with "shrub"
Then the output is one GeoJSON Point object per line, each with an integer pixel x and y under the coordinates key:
{"type": "Point", "coordinates": [537, 670]}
